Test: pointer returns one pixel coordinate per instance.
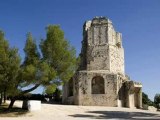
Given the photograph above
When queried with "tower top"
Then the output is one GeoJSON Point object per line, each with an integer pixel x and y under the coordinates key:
{"type": "Point", "coordinates": [97, 21]}
{"type": "Point", "coordinates": [101, 20]}
{"type": "Point", "coordinates": [102, 47]}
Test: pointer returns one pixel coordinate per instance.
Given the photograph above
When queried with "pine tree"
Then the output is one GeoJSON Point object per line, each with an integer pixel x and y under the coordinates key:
{"type": "Point", "coordinates": [58, 53]}
{"type": "Point", "coordinates": [9, 67]}
{"type": "Point", "coordinates": [56, 65]}
{"type": "Point", "coordinates": [157, 100]}
{"type": "Point", "coordinates": [34, 70]}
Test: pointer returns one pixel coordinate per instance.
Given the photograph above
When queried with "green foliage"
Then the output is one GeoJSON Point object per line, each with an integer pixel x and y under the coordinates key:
{"type": "Point", "coordinates": [34, 69]}
{"type": "Point", "coordinates": [157, 100]}
{"type": "Point", "coordinates": [57, 63]}
{"type": "Point", "coordinates": [146, 100]}
{"type": "Point", "coordinates": [57, 94]}
{"type": "Point", "coordinates": [58, 53]}
{"type": "Point", "coordinates": [13, 71]}
{"type": "Point", "coordinates": [50, 89]}
{"type": "Point", "coordinates": [48, 74]}
{"type": "Point", "coordinates": [9, 66]}
{"type": "Point", "coordinates": [32, 56]}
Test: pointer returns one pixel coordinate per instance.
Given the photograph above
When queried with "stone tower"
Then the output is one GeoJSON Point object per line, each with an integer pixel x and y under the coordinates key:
{"type": "Point", "coordinates": [101, 79]}
{"type": "Point", "coordinates": [102, 47]}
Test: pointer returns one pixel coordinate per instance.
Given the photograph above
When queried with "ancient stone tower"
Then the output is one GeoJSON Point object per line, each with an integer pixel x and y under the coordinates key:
{"type": "Point", "coordinates": [102, 47]}
{"type": "Point", "coordinates": [101, 79]}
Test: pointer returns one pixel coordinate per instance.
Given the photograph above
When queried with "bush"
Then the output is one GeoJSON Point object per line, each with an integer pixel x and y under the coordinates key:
{"type": "Point", "coordinates": [157, 100]}
{"type": "Point", "coordinates": [57, 95]}
{"type": "Point", "coordinates": [146, 100]}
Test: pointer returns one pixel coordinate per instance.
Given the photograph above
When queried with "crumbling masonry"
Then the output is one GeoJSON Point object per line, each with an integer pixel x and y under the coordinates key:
{"type": "Point", "coordinates": [100, 79]}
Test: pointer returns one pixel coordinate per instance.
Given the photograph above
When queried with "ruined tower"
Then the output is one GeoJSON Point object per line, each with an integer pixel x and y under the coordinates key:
{"type": "Point", "coordinates": [101, 79]}
{"type": "Point", "coordinates": [102, 47]}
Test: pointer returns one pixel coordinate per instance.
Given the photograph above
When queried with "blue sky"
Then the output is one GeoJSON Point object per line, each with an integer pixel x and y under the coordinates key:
{"type": "Point", "coordinates": [137, 20]}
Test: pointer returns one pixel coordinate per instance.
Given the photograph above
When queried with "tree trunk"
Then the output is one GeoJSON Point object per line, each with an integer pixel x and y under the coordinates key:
{"type": "Point", "coordinates": [1, 98]}
{"type": "Point", "coordinates": [11, 103]}
{"type": "Point", "coordinates": [13, 99]}
{"type": "Point", "coordinates": [5, 97]}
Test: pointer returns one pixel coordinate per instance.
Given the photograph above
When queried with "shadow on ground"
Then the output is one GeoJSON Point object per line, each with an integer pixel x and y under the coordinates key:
{"type": "Point", "coordinates": [118, 115]}
{"type": "Point", "coordinates": [14, 112]}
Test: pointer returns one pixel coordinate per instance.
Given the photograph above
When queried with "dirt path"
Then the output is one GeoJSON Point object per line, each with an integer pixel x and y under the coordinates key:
{"type": "Point", "coordinates": [70, 112]}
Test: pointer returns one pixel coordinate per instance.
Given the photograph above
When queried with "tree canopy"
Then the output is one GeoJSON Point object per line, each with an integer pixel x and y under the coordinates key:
{"type": "Point", "coordinates": [9, 67]}
{"type": "Point", "coordinates": [157, 100]}
{"type": "Point", "coordinates": [146, 100]}
{"type": "Point", "coordinates": [49, 66]}
{"type": "Point", "coordinates": [58, 53]}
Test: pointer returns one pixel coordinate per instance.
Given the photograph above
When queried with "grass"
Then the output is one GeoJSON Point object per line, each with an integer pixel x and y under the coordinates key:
{"type": "Point", "coordinates": [14, 112]}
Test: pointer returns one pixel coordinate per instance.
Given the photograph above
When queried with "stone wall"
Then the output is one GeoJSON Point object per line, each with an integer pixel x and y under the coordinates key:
{"type": "Point", "coordinates": [116, 56]}
{"type": "Point", "coordinates": [102, 47]}
{"type": "Point", "coordinates": [83, 89]}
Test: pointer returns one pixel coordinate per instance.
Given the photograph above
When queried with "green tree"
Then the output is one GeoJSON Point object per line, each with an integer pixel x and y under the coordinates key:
{"type": "Point", "coordinates": [57, 64]}
{"type": "Point", "coordinates": [4, 48]}
{"type": "Point", "coordinates": [146, 100]}
{"type": "Point", "coordinates": [34, 70]}
{"type": "Point", "coordinates": [50, 89]}
{"type": "Point", "coordinates": [57, 95]}
{"type": "Point", "coordinates": [157, 100]}
{"type": "Point", "coordinates": [9, 67]}
{"type": "Point", "coordinates": [58, 53]}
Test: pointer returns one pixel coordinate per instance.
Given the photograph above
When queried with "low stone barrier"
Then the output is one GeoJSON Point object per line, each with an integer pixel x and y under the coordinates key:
{"type": "Point", "coordinates": [150, 108]}
{"type": "Point", "coordinates": [32, 105]}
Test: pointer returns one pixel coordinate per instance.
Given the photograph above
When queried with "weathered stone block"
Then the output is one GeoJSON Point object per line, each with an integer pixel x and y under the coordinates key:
{"type": "Point", "coordinates": [150, 108]}
{"type": "Point", "coordinates": [32, 105]}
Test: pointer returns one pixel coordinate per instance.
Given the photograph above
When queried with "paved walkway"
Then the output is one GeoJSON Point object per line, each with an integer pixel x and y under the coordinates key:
{"type": "Point", "coordinates": [70, 112]}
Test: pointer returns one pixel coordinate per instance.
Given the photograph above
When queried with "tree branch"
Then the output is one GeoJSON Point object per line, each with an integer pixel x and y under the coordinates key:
{"type": "Point", "coordinates": [31, 89]}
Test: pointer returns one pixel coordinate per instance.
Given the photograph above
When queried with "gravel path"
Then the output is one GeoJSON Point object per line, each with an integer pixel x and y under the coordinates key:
{"type": "Point", "coordinates": [70, 112]}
